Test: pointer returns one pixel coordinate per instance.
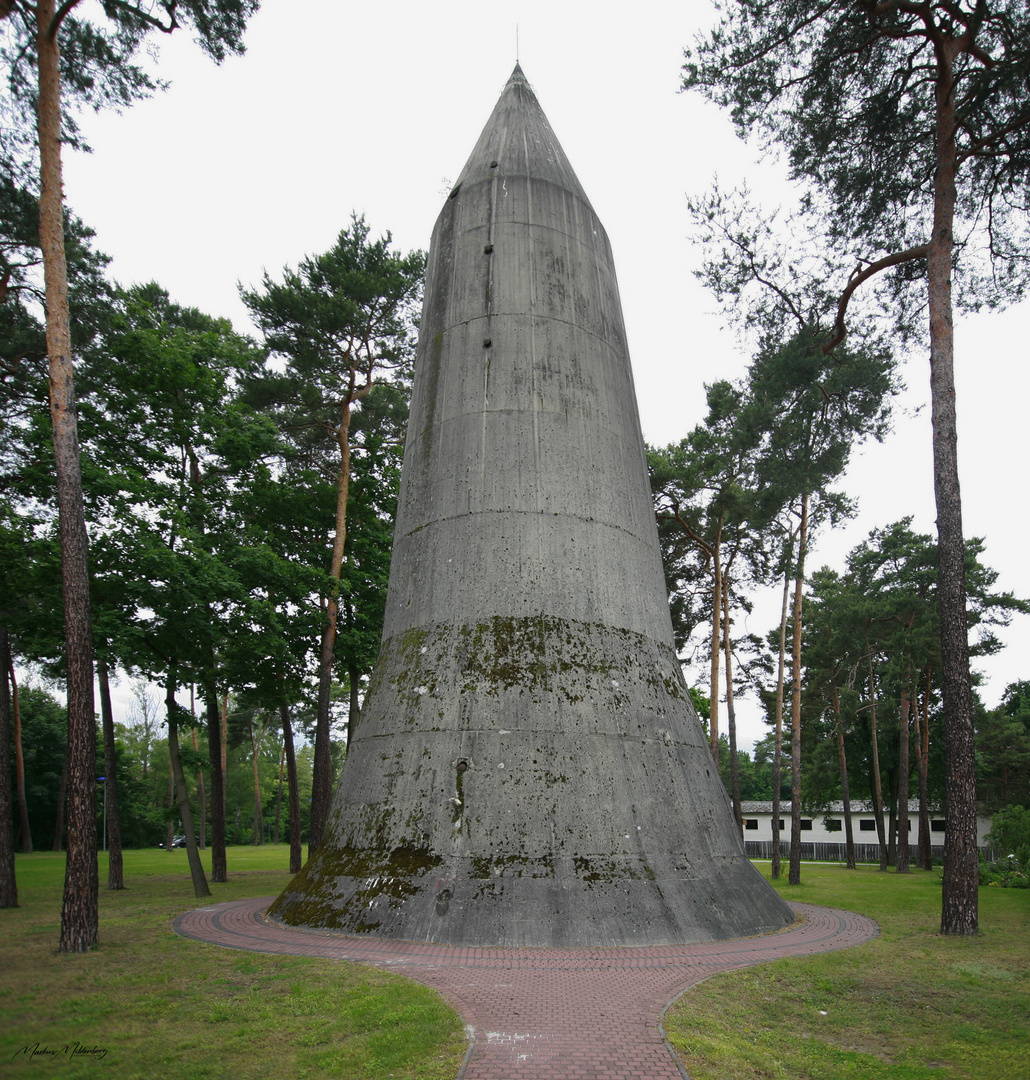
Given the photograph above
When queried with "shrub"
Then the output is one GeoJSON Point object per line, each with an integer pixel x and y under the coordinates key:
{"type": "Point", "coordinates": [1010, 830]}
{"type": "Point", "coordinates": [1007, 873]}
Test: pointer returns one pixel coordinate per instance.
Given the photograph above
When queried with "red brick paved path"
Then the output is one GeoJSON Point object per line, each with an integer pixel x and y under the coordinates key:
{"type": "Point", "coordinates": [545, 1014]}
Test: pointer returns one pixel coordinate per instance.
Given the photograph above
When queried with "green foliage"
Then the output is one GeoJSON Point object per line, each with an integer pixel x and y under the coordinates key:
{"type": "Point", "coordinates": [143, 776]}
{"type": "Point", "coordinates": [1008, 873]}
{"type": "Point", "coordinates": [810, 411]}
{"type": "Point", "coordinates": [99, 66]}
{"type": "Point", "coordinates": [705, 490]}
{"type": "Point", "coordinates": [341, 315]}
{"type": "Point", "coordinates": [166, 448]}
{"type": "Point", "coordinates": [341, 331]}
{"type": "Point", "coordinates": [731, 491]}
{"type": "Point", "coordinates": [43, 735]}
{"type": "Point", "coordinates": [754, 773]}
{"type": "Point", "coordinates": [882, 613]}
{"type": "Point", "coordinates": [847, 91]}
{"type": "Point", "coordinates": [1003, 750]}
{"type": "Point", "coordinates": [701, 706]}
{"type": "Point", "coordinates": [1010, 830]}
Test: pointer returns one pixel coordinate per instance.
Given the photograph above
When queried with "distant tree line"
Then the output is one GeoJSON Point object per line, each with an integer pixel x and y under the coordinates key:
{"type": "Point", "coordinates": [256, 785]}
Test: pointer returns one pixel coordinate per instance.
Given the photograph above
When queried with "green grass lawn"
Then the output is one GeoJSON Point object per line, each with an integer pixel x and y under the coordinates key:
{"type": "Point", "coordinates": [911, 1005]}
{"type": "Point", "coordinates": [163, 1006]}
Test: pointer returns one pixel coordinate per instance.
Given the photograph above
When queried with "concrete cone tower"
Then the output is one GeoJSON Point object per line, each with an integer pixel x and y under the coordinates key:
{"type": "Point", "coordinates": [528, 770]}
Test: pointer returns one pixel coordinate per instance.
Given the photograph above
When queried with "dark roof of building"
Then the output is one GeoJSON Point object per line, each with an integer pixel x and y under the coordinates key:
{"type": "Point", "coordinates": [857, 807]}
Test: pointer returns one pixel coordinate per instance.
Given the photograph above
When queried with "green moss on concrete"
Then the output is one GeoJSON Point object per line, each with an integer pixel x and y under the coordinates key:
{"type": "Point", "coordinates": [537, 654]}
{"type": "Point", "coordinates": [322, 894]}
{"type": "Point", "coordinates": [387, 864]}
{"type": "Point", "coordinates": [511, 866]}
{"type": "Point", "coordinates": [601, 870]}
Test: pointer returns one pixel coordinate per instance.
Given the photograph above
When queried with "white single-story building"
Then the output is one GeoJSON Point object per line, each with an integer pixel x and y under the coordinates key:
{"type": "Point", "coordinates": [824, 829]}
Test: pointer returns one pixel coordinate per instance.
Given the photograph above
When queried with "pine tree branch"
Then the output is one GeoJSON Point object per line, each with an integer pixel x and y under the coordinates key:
{"type": "Point", "coordinates": [676, 516]}
{"type": "Point", "coordinates": [133, 9]}
{"type": "Point", "coordinates": [59, 16]}
{"type": "Point", "coordinates": [788, 34]}
{"type": "Point", "coordinates": [857, 278]}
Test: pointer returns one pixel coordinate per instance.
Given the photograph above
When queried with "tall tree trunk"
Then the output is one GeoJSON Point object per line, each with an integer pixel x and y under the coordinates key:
{"type": "Point", "coordinates": [903, 771]}
{"type": "Point", "coordinates": [19, 764]}
{"type": "Point", "coordinates": [223, 745]}
{"type": "Point", "coordinates": [115, 879]}
{"type": "Point", "coordinates": [322, 769]}
{"type": "Point", "coordinates": [923, 770]}
{"type": "Point", "coordinates": [794, 873]}
{"type": "Point", "coordinates": [778, 737]}
{"type": "Point", "coordinates": [219, 869]}
{"type": "Point", "coordinates": [213, 714]}
{"type": "Point", "coordinates": [842, 760]}
{"type": "Point", "coordinates": [79, 910]}
{"type": "Point", "coordinates": [731, 716]}
{"type": "Point", "coordinates": [200, 887]}
{"type": "Point", "coordinates": [291, 777]}
{"type": "Point", "coordinates": [201, 794]}
{"type": "Point", "coordinates": [259, 819]}
{"type": "Point", "coordinates": [170, 835]}
{"type": "Point", "coordinates": [959, 904]}
{"type": "Point", "coordinates": [279, 792]}
{"type": "Point", "coordinates": [713, 699]}
{"type": "Point", "coordinates": [8, 880]}
{"type": "Point", "coordinates": [874, 743]}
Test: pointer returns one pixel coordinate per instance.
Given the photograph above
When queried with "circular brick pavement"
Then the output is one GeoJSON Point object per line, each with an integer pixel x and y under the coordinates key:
{"type": "Point", "coordinates": [545, 1014]}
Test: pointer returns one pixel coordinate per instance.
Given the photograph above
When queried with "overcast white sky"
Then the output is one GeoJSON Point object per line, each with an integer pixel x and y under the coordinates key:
{"type": "Point", "coordinates": [341, 107]}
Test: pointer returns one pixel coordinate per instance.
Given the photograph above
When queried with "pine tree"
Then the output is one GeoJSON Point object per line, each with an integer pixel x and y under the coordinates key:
{"type": "Point", "coordinates": [95, 68]}
{"type": "Point", "coordinates": [343, 321]}
{"type": "Point", "coordinates": [908, 123]}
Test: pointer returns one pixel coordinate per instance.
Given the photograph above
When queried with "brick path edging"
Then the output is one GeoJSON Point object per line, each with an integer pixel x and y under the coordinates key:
{"type": "Point", "coordinates": [545, 1014]}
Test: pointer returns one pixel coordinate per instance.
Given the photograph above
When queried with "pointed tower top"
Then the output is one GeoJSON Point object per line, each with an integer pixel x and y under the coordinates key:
{"type": "Point", "coordinates": [519, 141]}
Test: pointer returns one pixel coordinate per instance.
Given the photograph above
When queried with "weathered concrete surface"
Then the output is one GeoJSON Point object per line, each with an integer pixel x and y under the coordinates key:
{"type": "Point", "coordinates": [528, 770]}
